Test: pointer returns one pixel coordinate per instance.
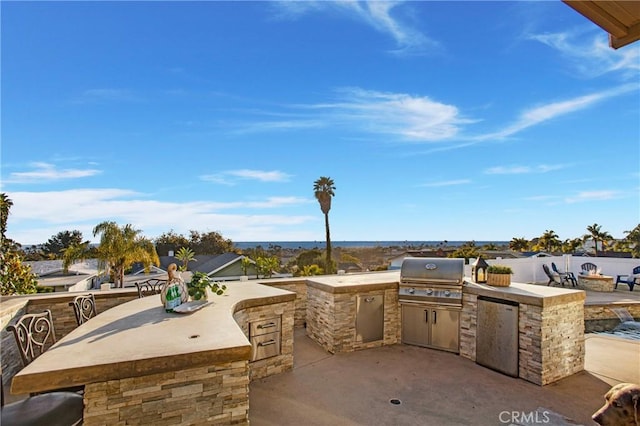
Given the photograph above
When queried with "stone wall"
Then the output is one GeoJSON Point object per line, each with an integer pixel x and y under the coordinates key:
{"type": "Point", "coordinates": [284, 361]}
{"type": "Point", "coordinates": [64, 321]}
{"type": "Point", "coordinates": [299, 287]}
{"type": "Point", "coordinates": [551, 340]}
{"type": "Point", "coordinates": [334, 319]}
{"type": "Point", "coordinates": [198, 396]}
{"type": "Point", "coordinates": [468, 324]}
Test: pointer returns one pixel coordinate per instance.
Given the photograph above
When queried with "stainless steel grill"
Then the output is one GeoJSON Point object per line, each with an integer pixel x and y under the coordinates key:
{"type": "Point", "coordinates": [432, 280]}
{"type": "Point", "coordinates": [430, 295]}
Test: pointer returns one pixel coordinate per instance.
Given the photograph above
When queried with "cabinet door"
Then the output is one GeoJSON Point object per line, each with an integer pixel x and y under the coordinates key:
{"type": "Point", "coordinates": [415, 325]}
{"type": "Point", "coordinates": [445, 329]}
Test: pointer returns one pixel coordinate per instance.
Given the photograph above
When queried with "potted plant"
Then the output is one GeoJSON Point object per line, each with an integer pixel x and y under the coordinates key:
{"type": "Point", "coordinates": [199, 284]}
{"type": "Point", "coordinates": [499, 275]}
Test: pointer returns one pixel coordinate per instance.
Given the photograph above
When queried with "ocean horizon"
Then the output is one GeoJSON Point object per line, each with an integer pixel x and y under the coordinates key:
{"type": "Point", "coordinates": [308, 245]}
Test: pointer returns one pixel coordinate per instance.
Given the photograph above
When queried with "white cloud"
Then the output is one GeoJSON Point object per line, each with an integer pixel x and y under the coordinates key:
{"type": "Point", "coordinates": [413, 118]}
{"type": "Point", "coordinates": [82, 209]}
{"type": "Point", "coordinates": [107, 94]}
{"type": "Point", "coordinates": [592, 196]}
{"type": "Point", "coordinates": [514, 170]}
{"type": "Point", "coordinates": [447, 183]}
{"type": "Point", "coordinates": [590, 55]}
{"type": "Point", "coordinates": [376, 14]}
{"type": "Point", "coordinates": [44, 172]}
{"type": "Point", "coordinates": [543, 113]}
{"type": "Point", "coordinates": [229, 177]}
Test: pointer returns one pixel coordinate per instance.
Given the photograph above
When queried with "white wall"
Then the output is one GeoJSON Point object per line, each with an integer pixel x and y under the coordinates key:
{"type": "Point", "coordinates": [529, 270]}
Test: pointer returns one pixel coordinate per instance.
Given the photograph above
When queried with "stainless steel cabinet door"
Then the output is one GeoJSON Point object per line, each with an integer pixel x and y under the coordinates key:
{"type": "Point", "coordinates": [445, 329]}
{"type": "Point", "coordinates": [415, 325]}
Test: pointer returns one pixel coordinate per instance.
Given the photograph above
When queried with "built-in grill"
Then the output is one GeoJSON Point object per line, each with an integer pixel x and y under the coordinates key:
{"type": "Point", "coordinates": [430, 295]}
{"type": "Point", "coordinates": [432, 280]}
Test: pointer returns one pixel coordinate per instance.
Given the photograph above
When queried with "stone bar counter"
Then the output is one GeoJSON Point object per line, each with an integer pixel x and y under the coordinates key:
{"type": "Point", "coordinates": [332, 310]}
{"type": "Point", "coordinates": [142, 365]}
{"type": "Point", "coordinates": [550, 328]}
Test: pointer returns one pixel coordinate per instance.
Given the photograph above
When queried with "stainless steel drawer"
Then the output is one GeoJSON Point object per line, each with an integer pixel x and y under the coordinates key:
{"type": "Point", "coordinates": [265, 346]}
{"type": "Point", "coordinates": [270, 325]}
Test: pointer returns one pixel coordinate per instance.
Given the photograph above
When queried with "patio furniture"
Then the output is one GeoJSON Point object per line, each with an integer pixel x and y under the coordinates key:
{"type": "Point", "coordinates": [567, 277]}
{"type": "Point", "coordinates": [553, 279]}
{"type": "Point", "coordinates": [630, 279]}
{"type": "Point", "coordinates": [150, 287]}
{"type": "Point", "coordinates": [34, 334]}
{"type": "Point", "coordinates": [84, 307]}
{"type": "Point", "coordinates": [589, 268]}
{"type": "Point", "coordinates": [53, 409]}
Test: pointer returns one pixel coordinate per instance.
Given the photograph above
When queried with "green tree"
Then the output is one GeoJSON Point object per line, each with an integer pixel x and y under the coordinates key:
{"type": "Point", "coordinates": [597, 235]}
{"type": "Point", "coordinates": [170, 241]}
{"type": "Point", "coordinates": [121, 247]}
{"type": "Point", "coordinates": [519, 244]}
{"type": "Point", "coordinates": [265, 266]}
{"type": "Point", "coordinates": [245, 262]}
{"type": "Point", "coordinates": [633, 240]}
{"type": "Point", "coordinates": [57, 244]}
{"type": "Point", "coordinates": [572, 245]}
{"type": "Point", "coordinates": [185, 255]}
{"type": "Point", "coordinates": [466, 250]}
{"type": "Point", "coordinates": [76, 251]}
{"type": "Point", "coordinates": [549, 241]}
{"type": "Point", "coordinates": [15, 276]}
{"type": "Point", "coordinates": [210, 243]}
{"type": "Point", "coordinates": [324, 190]}
{"type": "Point", "coordinates": [310, 270]}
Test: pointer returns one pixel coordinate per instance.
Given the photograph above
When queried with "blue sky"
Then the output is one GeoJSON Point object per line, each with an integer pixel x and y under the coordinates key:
{"type": "Point", "coordinates": [436, 120]}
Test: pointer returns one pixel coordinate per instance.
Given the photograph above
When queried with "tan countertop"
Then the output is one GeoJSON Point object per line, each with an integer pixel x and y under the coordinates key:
{"type": "Point", "coordinates": [139, 338]}
{"type": "Point", "coordinates": [356, 283]}
{"type": "Point", "coordinates": [528, 294]}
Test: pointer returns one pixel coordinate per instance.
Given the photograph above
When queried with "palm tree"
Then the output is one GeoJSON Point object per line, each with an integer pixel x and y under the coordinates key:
{"type": "Point", "coordinates": [597, 234]}
{"type": "Point", "coordinates": [519, 244]}
{"type": "Point", "coordinates": [323, 189]}
{"type": "Point", "coordinates": [185, 255]}
{"type": "Point", "coordinates": [76, 251]}
{"type": "Point", "coordinates": [549, 240]}
{"type": "Point", "coordinates": [122, 247]}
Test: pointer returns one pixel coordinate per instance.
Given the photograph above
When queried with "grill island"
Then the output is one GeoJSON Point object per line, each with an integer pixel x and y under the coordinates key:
{"type": "Point", "coordinates": [430, 296]}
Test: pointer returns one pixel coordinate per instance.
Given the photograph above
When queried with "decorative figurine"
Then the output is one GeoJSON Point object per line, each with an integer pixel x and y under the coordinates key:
{"type": "Point", "coordinates": [174, 292]}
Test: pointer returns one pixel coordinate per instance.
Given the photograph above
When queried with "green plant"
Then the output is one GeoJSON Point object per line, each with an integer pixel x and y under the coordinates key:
{"type": "Point", "coordinates": [499, 269]}
{"type": "Point", "coordinates": [199, 283]}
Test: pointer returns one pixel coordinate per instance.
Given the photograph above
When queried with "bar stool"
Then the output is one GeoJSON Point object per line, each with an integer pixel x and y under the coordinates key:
{"type": "Point", "coordinates": [84, 307]}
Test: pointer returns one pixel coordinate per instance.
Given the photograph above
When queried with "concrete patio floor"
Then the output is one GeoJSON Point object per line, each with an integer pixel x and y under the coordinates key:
{"type": "Point", "coordinates": [435, 387]}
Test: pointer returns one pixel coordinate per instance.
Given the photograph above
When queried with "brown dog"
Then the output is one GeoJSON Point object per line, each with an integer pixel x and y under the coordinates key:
{"type": "Point", "coordinates": [621, 407]}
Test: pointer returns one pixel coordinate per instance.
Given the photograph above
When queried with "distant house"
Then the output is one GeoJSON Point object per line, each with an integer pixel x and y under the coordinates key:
{"type": "Point", "coordinates": [221, 267]}
{"type": "Point", "coordinates": [396, 262]}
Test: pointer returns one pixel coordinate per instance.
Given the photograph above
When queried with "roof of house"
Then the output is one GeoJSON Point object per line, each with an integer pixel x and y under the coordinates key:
{"type": "Point", "coordinates": [620, 18]}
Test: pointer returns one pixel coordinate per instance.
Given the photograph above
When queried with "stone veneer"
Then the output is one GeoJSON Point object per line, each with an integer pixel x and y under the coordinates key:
{"type": "Point", "coordinates": [276, 364]}
{"type": "Point", "coordinates": [334, 319]}
{"type": "Point", "coordinates": [220, 392]}
{"type": "Point", "coordinates": [596, 283]}
{"type": "Point", "coordinates": [64, 320]}
{"type": "Point", "coordinates": [299, 287]}
{"type": "Point", "coordinates": [551, 339]}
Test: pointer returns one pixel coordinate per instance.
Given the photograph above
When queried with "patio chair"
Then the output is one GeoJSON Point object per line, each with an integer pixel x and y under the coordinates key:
{"type": "Point", "coordinates": [150, 287]}
{"type": "Point", "coordinates": [553, 279]}
{"type": "Point", "coordinates": [588, 267]}
{"type": "Point", "coordinates": [53, 409]}
{"type": "Point", "coordinates": [567, 277]}
{"type": "Point", "coordinates": [34, 334]}
{"type": "Point", "coordinates": [84, 307]}
{"type": "Point", "coordinates": [631, 279]}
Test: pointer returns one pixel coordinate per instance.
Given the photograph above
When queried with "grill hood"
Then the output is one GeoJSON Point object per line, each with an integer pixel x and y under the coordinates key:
{"type": "Point", "coordinates": [432, 270]}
